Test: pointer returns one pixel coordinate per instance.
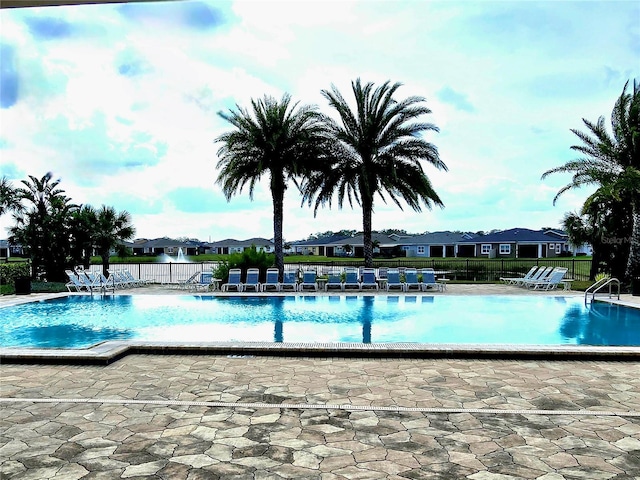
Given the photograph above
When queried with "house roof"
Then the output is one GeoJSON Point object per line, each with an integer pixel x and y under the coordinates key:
{"type": "Point", "coordinates": [438, 238]}
{"type": "Point", "coordinates": [321, 241]}
{"type": "Point", "coordinates": [383, 240]}
{"type": "Point", "coordinates": [518, 235]}
{"type": "Point", "coordinates": [232, 242]}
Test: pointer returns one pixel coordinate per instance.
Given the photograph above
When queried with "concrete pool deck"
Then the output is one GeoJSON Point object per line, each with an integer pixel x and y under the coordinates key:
{"type": "Point", "coordinates": [248, 417]}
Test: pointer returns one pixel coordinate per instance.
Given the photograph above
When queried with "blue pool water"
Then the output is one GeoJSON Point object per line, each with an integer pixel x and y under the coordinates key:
{"type": "Point", "coordinates": [81, 321]}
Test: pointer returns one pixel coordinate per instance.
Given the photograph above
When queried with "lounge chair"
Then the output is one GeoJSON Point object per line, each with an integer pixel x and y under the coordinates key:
{"type": "Point", "coordinates": [203, 283]}
{"type": "Point", "coordinates": [393, 280]}
{"type": "Point", "coordinates": [515, 280]}
{"type": "Point", "coordinates": [289, 282]}
{"type": "Point", "coordinates": [540, 274]}
{"type": "Point", "coordinates": [411, 280]}
{"type": "Point", "coordinates": [429, 280]}
{"type": "Point", "coordinates": [252, 281]}
{"type": "Point", "coordinates": [271, 281]}
{"type": "Point", "coordinates": [234, 280]}
{"type": "Point", "coordinates": [369, 279]}
{"type": "Point", "coordinates": [139, 281]}
{"type": "Point", "coordinates": [549, 283]}
{"type": "Point", "coordinates": [121, 280]}
{"type": "Point", "coordinates": [351, 279]}
{"type": "Point", "coordinates": [334, 281]}
{"type": "Point", "coordinates": [309, 280]}
{"type": "Point", "coordinates": [75, 282]}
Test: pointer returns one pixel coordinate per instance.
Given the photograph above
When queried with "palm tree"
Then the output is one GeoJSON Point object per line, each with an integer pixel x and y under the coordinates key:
{"type": "Point", "coordinates": [9, 198]}
{"type": "Point", "coordinates": [42, 227]}
{"type": "Point", "coordinates": [82, 224]}
{"type": "Point", "coordinates": [612, 163]}
{"type": "Point", "coordinates": [110, 230]}
{"type": "Point", "coordinates": [277, 140]}
{"type": "Point", "coordinates": [376, 149]}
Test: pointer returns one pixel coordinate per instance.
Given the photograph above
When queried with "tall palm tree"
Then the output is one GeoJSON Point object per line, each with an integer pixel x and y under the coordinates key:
{"type": "Point", "coordinates": [612, 163]}
{"type": "Point", "coordinates": [376, 149]}
{"type": "Point", "coordinates": [278, 140]}
{"type": "Point", "coordinates": [9, 197]}
{"type": "Point", "coordinates": [110, 229]}
{"type": "Point", "coordinates": [81, 227]}
{"type": "Point", "coordinates": [42, 226]}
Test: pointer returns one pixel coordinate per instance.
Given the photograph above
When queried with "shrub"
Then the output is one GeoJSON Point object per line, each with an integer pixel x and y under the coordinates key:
{"type": "Point", "coordinates": [249, 258]}
{"type": "Point", "coordinates": [10, 271]}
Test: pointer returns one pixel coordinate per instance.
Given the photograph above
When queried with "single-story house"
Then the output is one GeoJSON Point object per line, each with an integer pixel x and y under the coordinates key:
{"type": "Point", "coordinates": [8, 250]}
{"type": "Point", "coordinates": [516, 243]}
{"type": "Point", "coordinates": [231, 245]}
{"type": "Point", "coordinates": [384, 245]}
{"type": "Point", "coordinates": [167, 246]}
{"type": "Point", "coordinates": [435, 244]}
{"type": "Point", "coordinates": [323, 246]}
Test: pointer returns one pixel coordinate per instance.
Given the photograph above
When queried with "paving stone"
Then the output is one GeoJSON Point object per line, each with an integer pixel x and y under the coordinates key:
{"type": "Point", "coordinates": [150, 440]}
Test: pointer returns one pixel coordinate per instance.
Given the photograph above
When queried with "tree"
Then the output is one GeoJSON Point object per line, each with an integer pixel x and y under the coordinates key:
{"type": "Point", "coordinates": [376, 149]}
{"type": "Point", "coordinates": [9, 197]}
{"type": "Point", "coordinates": [279, 140]}
{"type": "Point", "coordinates": [110, 230]}
{"type": "Point", "coordinates": [42, 227]}
{"type": "Point", "coordinates": [612, 163]}
{"type": "Point", "coordinates": [81, 226]}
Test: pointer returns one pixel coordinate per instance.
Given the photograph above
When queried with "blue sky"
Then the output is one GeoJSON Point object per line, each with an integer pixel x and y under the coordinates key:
{"type": "Point", "coordinates": [120, 101]}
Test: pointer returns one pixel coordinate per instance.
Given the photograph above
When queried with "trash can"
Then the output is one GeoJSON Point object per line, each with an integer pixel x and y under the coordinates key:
{"type": "Point", "coordinates": [23, 285]}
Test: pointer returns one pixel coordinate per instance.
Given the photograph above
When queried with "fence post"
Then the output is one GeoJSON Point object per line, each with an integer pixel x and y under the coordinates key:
{"type": "Point", "coordinates": [573, 268]}
{"type": "Point", "coordinates": [170, 273]}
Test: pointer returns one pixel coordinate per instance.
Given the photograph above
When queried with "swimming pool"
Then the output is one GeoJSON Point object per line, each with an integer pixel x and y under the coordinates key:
{"type": "Point", "coordinates": [82, 321]}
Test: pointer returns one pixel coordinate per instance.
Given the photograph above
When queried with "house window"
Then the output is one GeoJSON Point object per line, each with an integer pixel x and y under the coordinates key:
{"type": "Point", "coordinates": [505, 249]}
{"type": "Point", "coordinates": [485, 249]}
{"type": "Point", "coordinates": [421, 249]}
{"type": "Point", "coordinates": [169, 249]}
{"type": "Point", "coordinates": [558, 247]}
{"type": "Point", "coordinates": [552, 246]}
{"type": "Point", "coordinates": [405, 248]}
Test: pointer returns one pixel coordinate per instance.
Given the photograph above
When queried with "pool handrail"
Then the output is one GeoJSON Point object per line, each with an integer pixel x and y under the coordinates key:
{"type": "Point", "coordinates": [599, 285]}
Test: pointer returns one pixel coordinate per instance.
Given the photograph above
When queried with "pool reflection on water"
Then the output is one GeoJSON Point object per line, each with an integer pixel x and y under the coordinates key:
{"type": "Point", "coordinates": [81, 321]}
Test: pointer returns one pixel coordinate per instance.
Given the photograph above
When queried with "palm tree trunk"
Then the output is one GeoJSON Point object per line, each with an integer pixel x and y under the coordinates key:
{"type": "Point", "coordinates": [277, 194]}
{"type": "Point", "coordinates": [105, 263]}
{"type": "Point", "coordinates": [633, 264]}
{"type": "Point", "coordinates": [367, 213]}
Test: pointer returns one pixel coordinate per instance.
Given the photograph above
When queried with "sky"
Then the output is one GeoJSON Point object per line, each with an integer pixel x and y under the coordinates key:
{"type": "Point", "coordinates": [121, 101]}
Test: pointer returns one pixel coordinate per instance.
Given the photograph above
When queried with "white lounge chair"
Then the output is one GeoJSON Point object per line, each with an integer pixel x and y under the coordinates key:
{"type": "Point", "coordinates": [271, 280]}
{"type": "Point", "coordinates": [351, 281]}
{"type": "Point", "coordinates": [309, 281]}
{"type": "Point", "coordinates": [234, 280]}
{"type": "Point", "coordinates": [411, 280]}
{"type": "Point", "coordinates": [289, 282]}
{"type": "Point", "coordinates": [393, 280]}
{"type": "Point", "coordinates": [369, 279]}
{"type": "Point", "coordinates": [252, 282]}
{"type": "Point", "coordinates": [334, 281]}
{"type": "Point", "coordinates": [515, 280]}
{"type": "Point", "coordinates": [540, 274]}
{"type": "Point", "coordinates": [429, 280]}
{"type": "Point", "coordinates": [551, 282]}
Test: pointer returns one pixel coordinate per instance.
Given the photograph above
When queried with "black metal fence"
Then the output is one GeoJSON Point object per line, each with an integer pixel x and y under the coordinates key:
{"type": "Point", "coordinates": [468, 269]}
{"type": "Point", "coordinates": [464, 269]}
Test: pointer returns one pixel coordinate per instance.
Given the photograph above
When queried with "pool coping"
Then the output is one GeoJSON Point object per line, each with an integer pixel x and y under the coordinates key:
{"type": "Point", "coordinates": [110, 351]}
{"type": "Point", "coordinates": [107, 352]}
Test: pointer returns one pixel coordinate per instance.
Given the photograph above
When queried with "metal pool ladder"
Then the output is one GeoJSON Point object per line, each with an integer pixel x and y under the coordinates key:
{"type": "Point", "coordinates": [601, 284]}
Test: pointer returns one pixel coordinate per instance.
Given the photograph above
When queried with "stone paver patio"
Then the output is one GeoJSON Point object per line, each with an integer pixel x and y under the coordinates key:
{"type": "Point", "coordinates": [272, 418]}
{"type": "Point", "coordinates": [210, 417]}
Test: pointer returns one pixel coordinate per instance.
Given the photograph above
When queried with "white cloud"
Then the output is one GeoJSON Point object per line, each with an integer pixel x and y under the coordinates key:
{"type": "Point", "coordinates": [134, 139]}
